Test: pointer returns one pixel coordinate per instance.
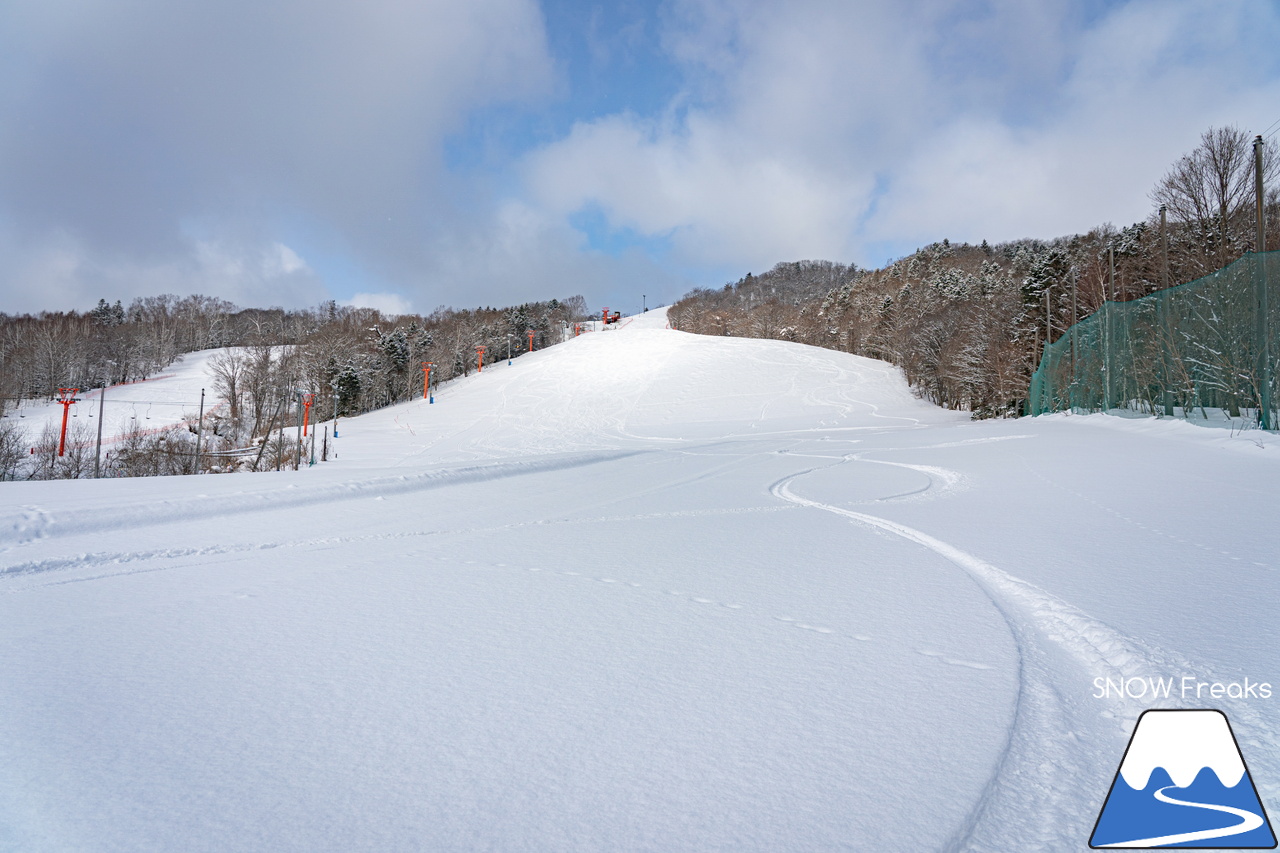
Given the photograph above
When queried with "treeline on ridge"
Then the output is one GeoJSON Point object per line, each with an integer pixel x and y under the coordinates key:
{"type": "Point", "coordinates": [353, 359]}
{"type": "Point", "coordinates": [967, 323]}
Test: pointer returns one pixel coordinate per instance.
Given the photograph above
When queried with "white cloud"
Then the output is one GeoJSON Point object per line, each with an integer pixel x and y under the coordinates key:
{"type": "Point", "coordinates": [60, 273]}
{"type": "Point", "coordinates": [1143, 84]}
{"type": "Point", "coordinates": [815, 128]}
{"type": "Point", "coordinates": [823, 129]}
{"type": "Point", "coordinates": [391, 304]}
{"type": "Point", "coordinates": [121, 122]}
{"type": "Point", "coordinates": [718, 199]}
{"type": "Point", "coordinates": [524, 253]}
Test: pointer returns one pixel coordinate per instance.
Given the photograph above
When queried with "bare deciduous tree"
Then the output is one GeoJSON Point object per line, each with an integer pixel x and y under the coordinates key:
{"type": "Point", "coordinates": [1211, 190]}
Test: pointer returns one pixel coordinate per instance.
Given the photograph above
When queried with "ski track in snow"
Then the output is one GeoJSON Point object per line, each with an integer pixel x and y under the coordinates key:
{"type": "Point", "coordinates": [177, 559]}
{"type": "Point", "coordinates": [1260, 730]}
{"type": "Point", "coordinates": [1047, 728]}
{"type": "Point", "coordinates": [36, 567]}
{"type": "Point", "coordinates": [1146, 528]}
{"type": "Point", "coordinates": [32, 524]}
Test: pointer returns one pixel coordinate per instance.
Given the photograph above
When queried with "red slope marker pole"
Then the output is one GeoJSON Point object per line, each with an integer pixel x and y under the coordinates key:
{"type": "Point", "coordinates": [530, 333]}
{"type": "Point", "coordinates": [426, 381]}
{"type": "Point", "coordinates": [308, 400]}
{"type": "Point", "coordinates": [66, 396]}
{"type": "Point", "coordinates": [480, 359]}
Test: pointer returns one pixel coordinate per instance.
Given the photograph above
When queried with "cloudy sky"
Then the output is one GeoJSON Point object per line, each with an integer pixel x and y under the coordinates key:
{"type": "Point", "coordinates": [408, 154]}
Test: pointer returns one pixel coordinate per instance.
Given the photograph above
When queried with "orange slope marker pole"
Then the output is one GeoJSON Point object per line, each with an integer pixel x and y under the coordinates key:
{"type": "Point", "coordinates": [308, 400]}
{"type": "Point", "coordinates": [426, 381]}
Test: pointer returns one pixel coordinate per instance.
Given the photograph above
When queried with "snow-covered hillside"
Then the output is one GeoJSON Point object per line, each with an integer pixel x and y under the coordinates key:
{"type": "Point", "coordinates": [152, 405]}
{"type": "Point", "coordinates": [639, 591]}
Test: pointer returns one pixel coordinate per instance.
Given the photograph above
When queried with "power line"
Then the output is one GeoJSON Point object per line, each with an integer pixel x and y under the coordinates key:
{"type": "Point", "coordinates": [153, 402]}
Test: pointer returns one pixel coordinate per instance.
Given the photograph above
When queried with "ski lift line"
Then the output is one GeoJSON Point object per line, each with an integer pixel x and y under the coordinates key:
{"type": "Point", "coordinates": [91, 391]}
{"type": "Point", "coordinates": [124, 436]}
{"type": "Point", "coordinates": [237, 451]}
{"type": "Point", "coordinates": [154, 402]}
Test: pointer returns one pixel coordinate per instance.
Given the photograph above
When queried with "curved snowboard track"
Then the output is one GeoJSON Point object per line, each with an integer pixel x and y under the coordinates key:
{"type": "Point", "coordinates": [1058, 746]}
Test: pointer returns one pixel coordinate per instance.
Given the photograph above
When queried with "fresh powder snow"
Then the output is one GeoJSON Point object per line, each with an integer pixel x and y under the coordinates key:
{"type": "Point", "coordinates": [639, 591]}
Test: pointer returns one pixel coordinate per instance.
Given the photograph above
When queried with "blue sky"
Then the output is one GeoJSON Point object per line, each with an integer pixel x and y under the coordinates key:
{"type": "Point", "coordinates": [415, 154]}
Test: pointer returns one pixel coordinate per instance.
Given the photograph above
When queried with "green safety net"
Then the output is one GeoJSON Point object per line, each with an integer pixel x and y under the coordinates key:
{"type": "Point", "coordinates": [1204, 344]}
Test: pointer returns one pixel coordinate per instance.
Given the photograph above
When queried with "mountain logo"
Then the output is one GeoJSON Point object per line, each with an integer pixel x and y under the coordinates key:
{"type": "Point", "coordinates": [1183, 783]}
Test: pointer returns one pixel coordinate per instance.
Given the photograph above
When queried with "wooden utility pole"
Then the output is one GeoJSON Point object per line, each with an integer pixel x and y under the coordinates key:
{"type": "Point", "coordinates": [1164, 247]}
{"type": "Point", "coordinates": [1166, 333]}
{"type": "Point", "coordinates": [199, 432]}
{"type": "Point", "coordinates": [97, 450]}
{"type": "Point", "coordinates": [1048, 317]}
{"type": "Point", "coordinates": [1108, 355]}
{"type": "Point", "coordinates": [266, 438]}
{"type": "Point", "coordinates": [1262, 327]}
{"type": "Point", "coordinates": [1075, 318]}
{"type": "Point", "coordinates": [297, 456]}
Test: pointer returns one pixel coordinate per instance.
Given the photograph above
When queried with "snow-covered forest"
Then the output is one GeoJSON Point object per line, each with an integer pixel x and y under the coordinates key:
{"type": "Point", "coordinates": [353, 359]}
{"type": "Point", "coordinates": [967, 323]}
{"type": "Point", "coordinates": [370, 358]}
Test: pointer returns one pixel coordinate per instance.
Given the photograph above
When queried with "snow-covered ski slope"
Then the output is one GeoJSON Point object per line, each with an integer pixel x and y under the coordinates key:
{"type": "Point", "coordinates": [169, 399]}
{"type": "Point", "coordinates": [643, 590]}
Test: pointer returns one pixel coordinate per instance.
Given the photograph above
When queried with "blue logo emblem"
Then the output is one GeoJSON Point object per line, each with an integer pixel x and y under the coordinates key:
{"type": "Point", "coordinates": [1183, 783]}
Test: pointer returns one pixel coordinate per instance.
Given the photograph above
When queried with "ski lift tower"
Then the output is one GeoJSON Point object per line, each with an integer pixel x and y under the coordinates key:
{"type": "Point", "coordinates": [66, 396]}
